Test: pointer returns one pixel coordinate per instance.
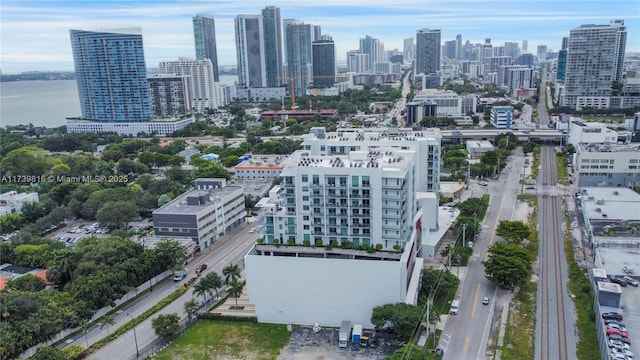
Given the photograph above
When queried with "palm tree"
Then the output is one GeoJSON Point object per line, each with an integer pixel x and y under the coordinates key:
{"type": "Point", "coordinates": [200, 289]}
{"type": "Point", "coordinates": [63, 260]}
{"type": "Point", "coordinates": [214, 282]}
{"type": "Point", "coordinates": [190, 307]}
{"type": "Point", "coordinates": [106, 321]}
{"type": "Point", "coordinates": [235, 289]}
{"type": "Point", "coordinates": [231, 272]}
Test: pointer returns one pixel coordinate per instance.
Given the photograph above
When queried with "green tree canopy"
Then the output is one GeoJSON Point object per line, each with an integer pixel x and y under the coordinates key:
{"type": "Point", "coordinates": [508, 265]}
{"type": "Point", "coordinates": [117, 213]}
{"type": "Point", "coordinates": [513, 231]}
{"type": "Point", "coordinates": [437, 284]}
{"type": "Point", "coordinates": [404, 318]}
{"type": "Point", "coordinates": [166, 325]}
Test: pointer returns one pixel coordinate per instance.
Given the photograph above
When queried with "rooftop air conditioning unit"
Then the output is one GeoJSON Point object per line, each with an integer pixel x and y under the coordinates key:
{"type": "Point", "coordinates": [616, 193]}
{"type": "Point", "coordinates": [600, 202]}
{"type": "Point", "coordinates": [598, 210]}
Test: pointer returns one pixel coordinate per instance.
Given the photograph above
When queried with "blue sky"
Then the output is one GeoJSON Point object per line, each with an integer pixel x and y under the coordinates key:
{"type": "Point", "coordinates": [34, 35]}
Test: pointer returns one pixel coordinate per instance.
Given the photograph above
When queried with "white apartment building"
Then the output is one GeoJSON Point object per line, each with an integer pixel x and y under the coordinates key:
{"type": "Point", "coordinates": [584, 132]}
{"type": "Point", "coordinates": [201, 83]}
{"type": "Point", "coordinates": [159, 127]}
{"type": "Point", "coordinates": [608, 164]}
{"type": "Point", "coordinates": [344, 229]}
{"type": "Point", "coordinates": [11, 202]}
{"type": "Point", "coordinates": [449, 103]}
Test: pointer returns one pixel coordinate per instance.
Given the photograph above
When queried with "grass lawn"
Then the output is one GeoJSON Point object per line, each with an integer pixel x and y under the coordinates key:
{"type": "Point", "coordinates": [209, 339]}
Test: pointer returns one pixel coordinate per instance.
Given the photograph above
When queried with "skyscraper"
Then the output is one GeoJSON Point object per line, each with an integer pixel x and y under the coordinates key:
{"type": "Point", "coordinates": [204, 34]}
{"type": "Point", "coordinates": [250, 51]}
{"type": "Point", "coordinates": [525, 45]}
{"type": "Point", "coordinates": [427, 51]}
{"type": "Point", "coordinates": [111, 75]}
{"type": "Point", "coordinates": [285, 23]}
{"type": "Point", "coordinates": [371, 46]}
{"type": "Point", "coordinates": [449, 49]}
{"type": "Point", "coordinates": [458, 47]}
{"type": "Point", "coordinates": [272, 45]}
{"type": "Point", "coordinates": [594, 60]}
{"type": "Point", "coordinates": [324, 63]}
{"type": "Point", "coordinates": [562, 60]}
{"type": "Point", "coordinates": [299, 55]}
{"type": "Point", "coordinates": [542, 53]}
{"type": "Point", "coordinates": [409, 50]}
{"type": "Point", "coordinates": [199, 79]}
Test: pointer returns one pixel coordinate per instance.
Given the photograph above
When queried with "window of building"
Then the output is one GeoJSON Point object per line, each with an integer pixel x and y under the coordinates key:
{"type": "Point", "coordinates": [305, 178]}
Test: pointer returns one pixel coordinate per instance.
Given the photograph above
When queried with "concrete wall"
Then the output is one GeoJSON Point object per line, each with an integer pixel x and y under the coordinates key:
{"type": "Point", "coordinates": [288, 290]}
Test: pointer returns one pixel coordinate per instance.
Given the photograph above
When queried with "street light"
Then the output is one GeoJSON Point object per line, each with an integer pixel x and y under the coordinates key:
{"type": "Point", "coordinates": [135, 337]}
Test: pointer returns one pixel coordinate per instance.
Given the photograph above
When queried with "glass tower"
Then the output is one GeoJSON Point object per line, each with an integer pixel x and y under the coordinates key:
{"type": "Point", "coordinates": [204, 33]}
{"type": "Point", "coordinates": [111, 75]}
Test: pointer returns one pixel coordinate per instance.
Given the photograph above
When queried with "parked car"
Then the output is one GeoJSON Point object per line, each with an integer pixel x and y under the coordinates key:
{"type": "Point", "coordinates": [619, 338]}
{"type": "Point", "coordinates": [612, 331]}
{"type": "Point", "coordinates": [252, 230]}
{"type": "Point", "coordinates": [616, 326]}
{"type": "Point", "coordinates": [485, 300]}
{"type": "Point", "coordinates": [612, 316]}
{"type": "Point", "coordinates": [613, 343]}
{"type": "Point", "coordinates": [607, 322]}
{"type": "Point", "coordinates": [630, 281]}
{"type": "Point", "coordinates": [625, 352]}
{"type": "Point", "coordinates": [618, 281]}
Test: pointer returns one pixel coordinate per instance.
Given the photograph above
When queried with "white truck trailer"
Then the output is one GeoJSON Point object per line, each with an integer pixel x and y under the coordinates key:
{"type": "Point", "coordinates": [345, 333]}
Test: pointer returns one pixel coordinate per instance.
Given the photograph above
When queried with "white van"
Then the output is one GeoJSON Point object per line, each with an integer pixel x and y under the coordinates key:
{"type": "Point", "coordinates": [455, 305]}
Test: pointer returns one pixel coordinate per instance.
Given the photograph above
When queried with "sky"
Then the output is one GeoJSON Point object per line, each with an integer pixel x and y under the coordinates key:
{"type": "Point", "coordinates": [34, 34]}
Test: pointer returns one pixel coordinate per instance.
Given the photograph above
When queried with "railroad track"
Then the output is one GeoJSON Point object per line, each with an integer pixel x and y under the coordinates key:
{"type": "Point", "coordinates": [553, 344]}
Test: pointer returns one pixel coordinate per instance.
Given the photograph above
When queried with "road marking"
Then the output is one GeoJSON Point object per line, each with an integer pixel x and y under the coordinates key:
{"type": "Point", "coordinates": [475, 301]}
{"type": "Point", "coordinates": [495, 226]}
{"type": "Point", "coordinates": [466, 345]}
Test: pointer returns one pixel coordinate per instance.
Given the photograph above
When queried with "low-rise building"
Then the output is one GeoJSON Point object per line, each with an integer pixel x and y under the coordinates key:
{"type": "Point", "coordinates": [205, 213]}
{"type": "Point", "coordinates": [478, 147]}
{"type": "Point", "coordinates": [260, 167]}
{"type": "Point", "coordinates": [502, 117]}
{"type": "Point", "coordinates": [607, 164]}
{"type": "Point", "coordinates": [11, 202]}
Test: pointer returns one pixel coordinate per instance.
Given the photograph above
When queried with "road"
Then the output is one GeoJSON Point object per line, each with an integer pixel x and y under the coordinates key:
{"type": "Point", "coordinates": [230, 249]}
{"type": "Point", "coordinates": [465, 335]}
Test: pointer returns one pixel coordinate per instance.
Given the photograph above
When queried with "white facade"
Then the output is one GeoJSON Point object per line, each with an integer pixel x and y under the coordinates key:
{"type": "Point", "coordinates": [260, 167]}
{"type": "Point", "coordinates": [449, 103]}
{"type": "Point", "coordinates": [11, 202]}
{"type": "Point", "coordinates": [502, 116]}
{"type": "Point", "coordinates": [584, 132]}
{"type": "Point", "coordinates": [478, 147]}
{"type": "Point", "coordinates": [201, 83]}
{"type": "Point", "coordinates": [158, 128]}
{"type": "Point", "coordinates": [606, 164]}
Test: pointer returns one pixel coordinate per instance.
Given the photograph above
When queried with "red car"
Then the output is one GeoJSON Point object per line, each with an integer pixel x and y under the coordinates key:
{"type": "Point", "coordinates": [611, 331]}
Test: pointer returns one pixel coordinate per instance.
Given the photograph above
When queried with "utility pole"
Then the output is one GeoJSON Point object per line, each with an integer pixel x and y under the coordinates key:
{"type": "Point", "coordinates": [464, 233]}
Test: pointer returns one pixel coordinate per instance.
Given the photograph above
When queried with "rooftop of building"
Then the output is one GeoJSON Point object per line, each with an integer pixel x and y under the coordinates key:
{"type": "Point", "coordinates": [387, 159]}
{"type": "Point", "coordinates": [609, 287]}
{"type": "Point", "coordinates": [374, 134]}
{"type": "Point", "coordinates": [262, 162]}
{"type": "Point", "coordinates": [620, 261]}
{"type": "Point", "coordinates": [179, 204]}
{"type": "Point", "coordinates": [479, 144]}
{"type": "Point", "coordinates": [611, 194]}
{"type": "Point", "coordinates": [609, 147]}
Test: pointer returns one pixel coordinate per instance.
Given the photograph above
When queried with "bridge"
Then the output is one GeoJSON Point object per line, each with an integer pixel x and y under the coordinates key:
{"type": "Point", "coordinates": [456, 136]}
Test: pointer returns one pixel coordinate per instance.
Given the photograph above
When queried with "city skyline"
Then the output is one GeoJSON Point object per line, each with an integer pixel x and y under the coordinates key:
{"type": "Point", "coordinates": [35, 33]}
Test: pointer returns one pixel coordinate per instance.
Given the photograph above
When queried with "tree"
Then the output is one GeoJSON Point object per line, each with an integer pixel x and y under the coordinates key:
{"type": "Point", "coordinates": [200, 288]}
{"type": "Point", "coordinates": [508, 265]}
{"type": "Point", "coordinates": [214, 282]}
{"type": "Point", "coordinates": [235, 289]}
{"type": "Point", "coordinates": [404, 318]}
{"type": "Point", "coordinates": [106, 321]}
{"type": "Point", "coordinates": [26, 282]}
{"type": "Point", "coordinates": [166, 325]}
{"type": "Point", "coordinates": [231, 272]}
{"type": "Point", "coordinates": [513, 231]}
{"type": "Point", "coordinates": [10, 222]}
{"type": "Point", "coordinates": [436, 284]}
{"type": "Point", "coordinates": [117, 213]}
{"type": "Point", "coordinates": [528, 147]}
{"type": "Point", "coordinates": [170, 254]}
{"type": "Point", "coordinates": [190, 307]}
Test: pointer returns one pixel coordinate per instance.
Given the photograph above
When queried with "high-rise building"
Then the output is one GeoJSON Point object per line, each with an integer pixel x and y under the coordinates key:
{"type": "Point", "coordinates": [200, 80]}
{"type": "Point", "coordinates": [371, 46]}
{"type": "Point", "coordinates": [324, 63]}
{"type": "Point", "coordinates": [299, 55]}
{"type": "Point", "coordinates": [449, 49]}
{"type": "Point", "coordinates": [111, 75]}
{"type": "Point", "coordinates": [511, 49]}
{"type": "Point", "coordinates": [427, 51]}
{"type": "Point", "coordinates": [272, 45]}
{"type": "Point", "coordinates": [409, 49]}
{"type": "Point", "coordinates": [170, 95]}
{"type": "Point", "coordinates": [204, 34]}
{"type": "Point", "coordinates": [562, 60]}
{"type": "Point", "coordinates": [317, 32]}
{"type": "Point", "coordinates": [594, 60]}
{"type": "Point", "coordinates": [525, 45]}
{"type": "Point", "coordinates": [250, 51]}
{"type": "Point", "coordinates": [542, 53]}
{"type": "Point", "coordinates": [357, 62]}
{"type": "Point", "coordinates": [285, 23]}
{"type": "Point", "coordinates": [458, 47]}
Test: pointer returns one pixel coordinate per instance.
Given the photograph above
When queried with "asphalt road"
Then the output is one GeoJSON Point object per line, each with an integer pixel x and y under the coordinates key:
{"type": "Point", "coordinates": [465, 335]}
{"type": "Point", "coordinates": [230, 249]}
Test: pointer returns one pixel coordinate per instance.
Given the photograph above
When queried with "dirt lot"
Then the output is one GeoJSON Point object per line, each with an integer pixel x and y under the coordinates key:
{"type": "Point", "coordinates": [305, 345]}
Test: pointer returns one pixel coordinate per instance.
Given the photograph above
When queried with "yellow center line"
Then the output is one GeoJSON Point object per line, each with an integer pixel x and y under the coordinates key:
{"type": "Point", "coordinates": [495, 226]}
{"type": "Point", "coordinates": [466, 344]}
{"type": "Point", "coordinates": [475, 301]}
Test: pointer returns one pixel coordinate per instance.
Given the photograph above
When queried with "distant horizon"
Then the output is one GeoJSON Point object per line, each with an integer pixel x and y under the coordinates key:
{"type": "Point", "coordinates": [35, 34]}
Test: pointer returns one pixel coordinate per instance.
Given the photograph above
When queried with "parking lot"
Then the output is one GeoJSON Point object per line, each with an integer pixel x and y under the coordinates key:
{"type": "Point", "coordinates": [79, 229]}
{"type": "Point", "coordinates": [304, 344]}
